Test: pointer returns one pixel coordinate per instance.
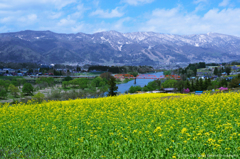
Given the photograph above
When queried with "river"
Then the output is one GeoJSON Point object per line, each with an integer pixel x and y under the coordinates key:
{"type": "Point", "coordinates": [139, 82]}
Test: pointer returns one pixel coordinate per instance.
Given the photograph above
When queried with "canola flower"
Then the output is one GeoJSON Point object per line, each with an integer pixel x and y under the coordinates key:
{"type": "Point", "coordinates": [126, 126]}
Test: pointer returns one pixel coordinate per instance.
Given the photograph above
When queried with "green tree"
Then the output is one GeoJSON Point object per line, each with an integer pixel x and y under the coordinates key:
{"type": "Point", "coordinates": [209, 81]}
{"type": "Point", "coordinates": [158, 81]}
{"type": "Point", "coordinates": [234, 83]}
{"type": "Point", "coordinates": [134, 89]}
{"type": "Point", "coordinates": [184, 77]}
{"type": "Point", "coordinates": [195, 71]}
{"type": "Point", "coordinates": [202, 65]}
{"type": "Point", "coordinates": [180, 85]}
{"type": "Point", "coordinates": [5, 84]}
{"type": "Point", "coordinates": [188, 85]}
{"type": "Point", "coordinates": [228, 70]}
{"type": "Point", "coordinates": [167, 72]}
{"type": "Point", "coordinates": [65, 84]}
{"type": "Point", "coordinates": [192, 86]}
{"type": "Point", "coordinates": [78, 68]}
{"type": "Point", "coordinates": [98, 82]}
{"type": "Point", "coordinates": [3, 92]}
{"type": "Point", "coordinates": [215, 84]}
{"type": "Point", "coordinates": [103, 89]}
{"type": "Point", "coordinates": [106, 75]}
{"type": "Point", "coordinates": [99, 86]}
{"type": "Point", "coordinates": [134, 75]}
{"type": "Point", "coordinates": [169, 83]}
{"type": "Point", "coordinates": [223, 83]}
{"type": "Point", "coordinates": [215, 72]}
{"type": "Point", "coordinates": [15, 82]}
{"type": "Point", "coordinates": [197, 86]}
{"type": "Point", "coordinates": [145, 88]}
{"type": "Point", "coordinates": [22, 81]}
{"type": "Point", "coordinates": [190, 73]}
{"type": "Point", "coordinates": [151, 86]}
{"type": "Point", "coordinates": [2, 83]}
{"type": "Point", "coordinates": [68, 78]}
{"type": "Point", "coordinates": [112, 87]}
{"type": "Point", "coordinates": [39, 97]}
{"type": "Point", "coordinates": [205, 84]}
{"type": "Point", "coordinates": [81, 83]}
{"type": "Point", "coordinates": [201, 88]}
{"type": "Point", "coordinates": [48, 80]}
{"type": "Point", "coordinates": [27, 89]}
{"type": "Point", "coordinates": [13, 89]}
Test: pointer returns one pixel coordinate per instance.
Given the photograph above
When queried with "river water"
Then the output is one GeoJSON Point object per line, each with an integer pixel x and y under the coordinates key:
{"type": "Point", "coordinates": [139, 82]}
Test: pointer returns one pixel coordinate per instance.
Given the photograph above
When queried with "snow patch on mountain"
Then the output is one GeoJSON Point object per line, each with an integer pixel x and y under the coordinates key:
{"type": "Point", "coordinates": [120, 48]}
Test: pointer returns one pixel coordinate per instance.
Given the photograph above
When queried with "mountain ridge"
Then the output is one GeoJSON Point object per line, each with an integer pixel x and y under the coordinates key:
{"type": "Point", "coordinates": [137, 48]}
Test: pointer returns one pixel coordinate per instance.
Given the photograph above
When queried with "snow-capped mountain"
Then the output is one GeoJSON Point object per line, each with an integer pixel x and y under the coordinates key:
{"type": "Point", "coordinates": [140, 48]}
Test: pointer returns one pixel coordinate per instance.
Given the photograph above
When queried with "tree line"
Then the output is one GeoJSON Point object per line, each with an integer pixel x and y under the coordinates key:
{"type": "Point", "coordinates": [121, 69]}
{"type": "Point", "coordinates": [197, 84]}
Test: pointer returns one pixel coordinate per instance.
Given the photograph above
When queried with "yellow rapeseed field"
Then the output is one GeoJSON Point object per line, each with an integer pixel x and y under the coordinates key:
{"type": "Point", "coordinates": [127, 126]}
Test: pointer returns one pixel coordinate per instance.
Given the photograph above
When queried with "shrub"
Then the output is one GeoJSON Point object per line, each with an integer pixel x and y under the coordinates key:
{"type": "Point", "coordinates": [186, 90]}
{"type": "Point", "coordinates": [49, 81]}
{"type": "Point", "coordinates": [145, 88]}
{"type": "Point", "coordinates": [27, 89]}
{"type": "Point", "coordinates": [68, 78]}
{"type": "Point", "coordinates": [3, 93]}
{"type": "Point", "coordinates": [79, 83]}
{"type": "Point", "coordinates": [4, 84]}
{"type": "Point", "coordinates": [65, 84]}
{"type": "Point", "coordinates": [134, 89]}
{"type": "Point", "coordinates": [55, 95]}
{"type": "Point", "coordinates": [13, 89]}
{"type": "Point", "coordinates": [169, 83]}
{"type": "Point", "coordinates": [42, 85]}
{"type": "Point", "coordinates": [234, 83]}
{"type": "Point", "coordinates": [39, 97]}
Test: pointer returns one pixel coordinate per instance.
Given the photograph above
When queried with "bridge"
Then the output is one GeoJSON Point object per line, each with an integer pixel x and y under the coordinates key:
{"type": "Point", "coordinates": [147, 76]}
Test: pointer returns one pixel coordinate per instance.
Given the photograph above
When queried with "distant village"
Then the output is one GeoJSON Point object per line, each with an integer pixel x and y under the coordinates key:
{"type": "Point", "coordinates": [42, 70]}
{"type": "Point", "coordinates": [208, 72]}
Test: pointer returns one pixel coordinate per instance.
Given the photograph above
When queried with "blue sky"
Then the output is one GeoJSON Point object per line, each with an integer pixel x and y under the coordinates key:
{"type": "Point", "coordinates": [90, 16]}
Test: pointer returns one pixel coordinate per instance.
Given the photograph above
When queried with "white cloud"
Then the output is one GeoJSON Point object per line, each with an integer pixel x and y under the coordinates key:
{"type": "Point", "coordinates": [55, 15]}
{"type": "Point", "coordinates": [6, 19]}
{"type": "Point", "coordinates": [66, 22]}
{"type": "Point", "coordinates": [79, 13]}
{"type": "Point", "coordinates": [199, 1]}
{"type": "Point", "coordinates": [174, 21]}
{"type": "Point", "coordinates": [199, 8]}
{"type": "Point", "coordinates": [119, 24]}
{"type": "Point", "coordinates": [95, 2]}
{"type": "Point", "coordinates": [27, 19]}
{"type": "Point", "coordinates": [106, 14]}
{"type": "Point", "coordinates": [224, 3]}
{"type": "Point", "coordinates": [36, 4]}
{"type": "Point", "coordinates": [32, 17]}
{"type": "Point", "coordinates": [137, 2]}
{"type": "Point", "coordinates": [41, 14]}
{"type": "Point", "coordinates": [78, 28]}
